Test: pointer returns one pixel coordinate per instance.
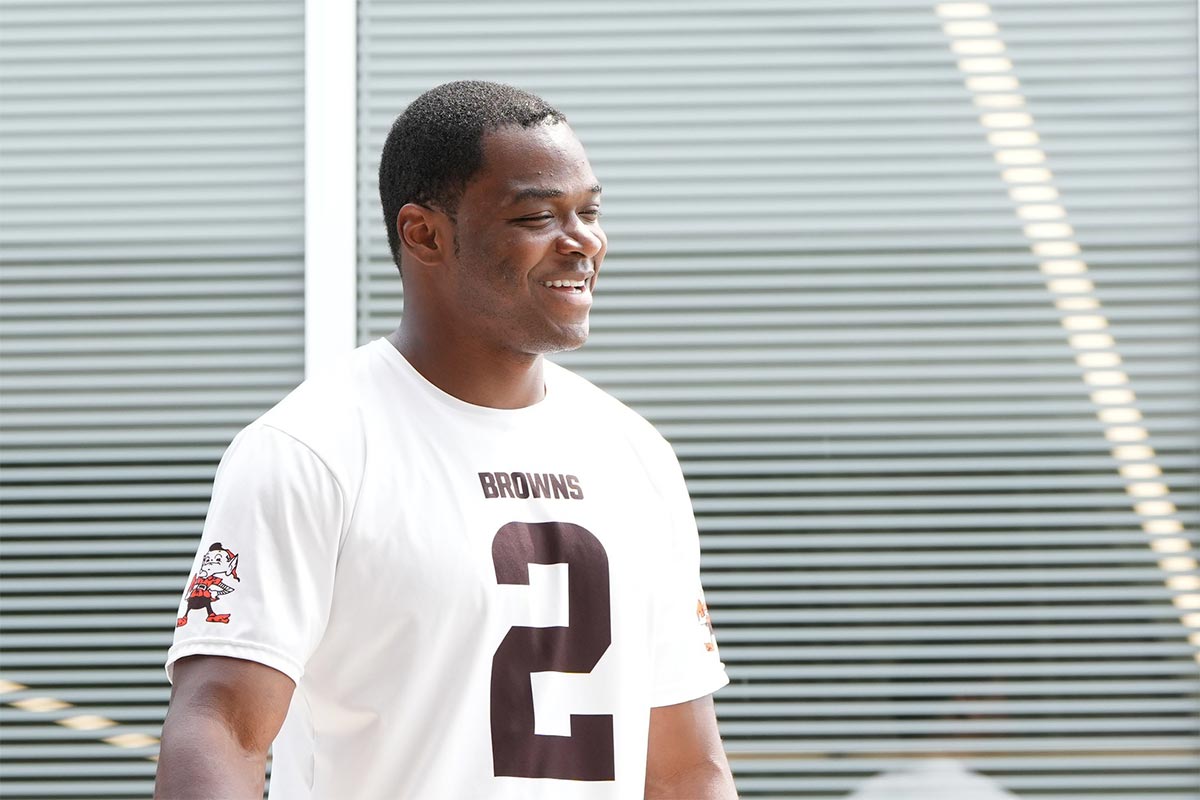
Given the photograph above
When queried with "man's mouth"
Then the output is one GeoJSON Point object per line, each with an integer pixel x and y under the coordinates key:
{"type": "Point", "coordinates": [574, 287]}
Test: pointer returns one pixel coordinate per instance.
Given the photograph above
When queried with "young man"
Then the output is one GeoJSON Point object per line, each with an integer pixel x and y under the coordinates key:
{"type": "Point", "coordinates": [462, 571]}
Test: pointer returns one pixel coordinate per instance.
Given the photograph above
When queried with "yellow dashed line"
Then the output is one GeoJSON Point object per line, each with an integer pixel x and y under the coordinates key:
{"type": "Point", "coordinates": [87, 722]}
{"type": "Point", "coordinates": [40, 704]}
{"type": "Point", "coordinates": [131, 740]}
{"type": "Point", "coordinates": [988, 76]}
{"type": "Point", "coordinates": [78, 722]}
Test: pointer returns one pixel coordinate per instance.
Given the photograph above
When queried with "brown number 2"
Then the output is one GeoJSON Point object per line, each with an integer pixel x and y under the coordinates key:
{"type": "Point", "coordinates": [587, 754]}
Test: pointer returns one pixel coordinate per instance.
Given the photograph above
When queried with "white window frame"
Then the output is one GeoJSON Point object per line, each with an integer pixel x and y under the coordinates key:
{"type": "Point", "coordinates": [330, 201]}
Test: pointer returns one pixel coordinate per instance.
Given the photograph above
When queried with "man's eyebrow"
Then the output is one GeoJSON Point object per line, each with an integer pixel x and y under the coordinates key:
{"type": "Point", "coordinates": [545, 193]}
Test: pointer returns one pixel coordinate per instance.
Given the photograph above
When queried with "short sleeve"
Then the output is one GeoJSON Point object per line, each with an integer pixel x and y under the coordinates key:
{"type": "Point", "coordinates": [687, 664]}
{"type": "Point", "coordinates": [261, 584]}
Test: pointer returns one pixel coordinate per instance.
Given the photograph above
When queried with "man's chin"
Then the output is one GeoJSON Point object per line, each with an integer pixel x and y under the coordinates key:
{"type": "Point", "coordinates": [563, 340]}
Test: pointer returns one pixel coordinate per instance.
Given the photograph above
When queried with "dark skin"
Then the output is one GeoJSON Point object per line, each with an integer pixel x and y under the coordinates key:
{"type": "Point", "coordinates": [224, 714]}
{"type": "Point", "coordinates": [478, 319]}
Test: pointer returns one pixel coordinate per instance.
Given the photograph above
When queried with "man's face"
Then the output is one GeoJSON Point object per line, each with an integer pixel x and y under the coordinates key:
{"type": "Point", "coordinates": [528, 219]}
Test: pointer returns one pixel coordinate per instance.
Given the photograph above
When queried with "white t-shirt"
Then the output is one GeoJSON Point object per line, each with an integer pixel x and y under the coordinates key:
{"type": "Point", "coordinates": [473, 602]}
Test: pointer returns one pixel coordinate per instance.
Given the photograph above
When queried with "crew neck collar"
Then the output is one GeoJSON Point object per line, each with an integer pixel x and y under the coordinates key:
{"type": "Point", "coordinates": [442, 397]}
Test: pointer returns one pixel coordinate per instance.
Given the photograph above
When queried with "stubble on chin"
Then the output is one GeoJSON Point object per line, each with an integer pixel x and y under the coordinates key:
{"type": "Point", "coordinates": [486, 303]}
{"type": "Point", "coordinates": [561, 341]}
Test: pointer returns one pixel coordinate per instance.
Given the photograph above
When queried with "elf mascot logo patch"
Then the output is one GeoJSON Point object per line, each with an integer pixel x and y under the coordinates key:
{"type": "Point", "coordinates": [207, 587]}
{"type": "Point", "coordinates": [706, 626]}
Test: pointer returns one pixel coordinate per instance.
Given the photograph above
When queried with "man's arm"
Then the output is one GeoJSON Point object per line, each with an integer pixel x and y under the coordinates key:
{"type": "Point", "coordinates": [685, 758]}
{"type": "Point", "coordinates": [224, 714]}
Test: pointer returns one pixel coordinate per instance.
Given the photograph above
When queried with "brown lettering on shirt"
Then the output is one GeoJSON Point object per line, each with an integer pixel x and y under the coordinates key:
{"type": "Point", "coordinates": [522, 485]}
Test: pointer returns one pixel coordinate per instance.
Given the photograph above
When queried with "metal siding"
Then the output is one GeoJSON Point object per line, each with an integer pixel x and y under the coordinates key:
{"type": "Point", "coordinates": [152, 229]}
{"type": "Point", "coordinates": [915, 537]}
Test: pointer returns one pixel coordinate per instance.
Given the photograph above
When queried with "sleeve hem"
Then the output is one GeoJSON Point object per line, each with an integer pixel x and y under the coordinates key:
{"type": "Point", "coordinates": [247, 651]}
{"type": "Point", "coordinates": [676, 693]}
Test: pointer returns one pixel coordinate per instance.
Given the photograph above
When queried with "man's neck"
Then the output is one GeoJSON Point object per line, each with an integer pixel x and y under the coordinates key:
{"type": "Point", "coordinates": [473, 374]}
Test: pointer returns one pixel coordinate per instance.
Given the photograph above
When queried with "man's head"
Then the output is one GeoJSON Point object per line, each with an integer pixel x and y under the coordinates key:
{"type": "Point", "coordinates": [491, 206]}
{"type": "Point", "coordinates": [436, 146]}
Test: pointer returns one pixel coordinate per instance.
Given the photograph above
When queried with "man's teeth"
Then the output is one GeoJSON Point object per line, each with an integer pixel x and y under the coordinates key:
{"type": "Point", "coordinates": [565, 284]}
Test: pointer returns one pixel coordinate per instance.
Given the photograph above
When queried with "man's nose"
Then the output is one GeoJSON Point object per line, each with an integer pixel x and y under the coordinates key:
{"type": "Point", "coordinates": [579, 237]}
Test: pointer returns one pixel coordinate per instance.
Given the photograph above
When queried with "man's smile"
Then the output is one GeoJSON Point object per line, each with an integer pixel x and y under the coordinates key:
{"type": "Point", "coordinates": [575, 288]}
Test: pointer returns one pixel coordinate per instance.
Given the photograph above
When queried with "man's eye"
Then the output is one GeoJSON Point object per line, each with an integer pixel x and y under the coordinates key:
{"type": "Point", "coordinates": [591, 213]}
{"type": "Point", "coordinates": [537, 218]}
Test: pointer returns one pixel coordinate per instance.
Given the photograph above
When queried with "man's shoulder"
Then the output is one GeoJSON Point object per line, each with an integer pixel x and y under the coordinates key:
{"type": "Point", "coordinates": [325, 413]}
{"type": "Point", "coordinates": [608, 413]}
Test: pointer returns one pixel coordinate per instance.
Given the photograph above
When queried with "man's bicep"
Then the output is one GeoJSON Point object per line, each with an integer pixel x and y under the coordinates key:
{"type": "Point", "coordinates": [248, 698]}
{"type": "Point", "coordinates": [224, 714]}
{"type": "Point", "coordinates": [685, 754]}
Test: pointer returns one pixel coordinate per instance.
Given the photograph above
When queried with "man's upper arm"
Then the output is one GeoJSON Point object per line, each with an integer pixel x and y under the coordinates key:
{"type": "Point", "coordinates": [250, 698]}
{"type": "Point", "coordinates": [278, 511]}
{"type": "Point", "coordinates": [224, 714]}
{"type": "Point", "coordinates": [684, 756]}
{"type": "Point", "coordinates": [686, 662]}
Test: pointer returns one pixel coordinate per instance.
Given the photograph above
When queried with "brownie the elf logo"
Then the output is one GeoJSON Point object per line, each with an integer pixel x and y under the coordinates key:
{"type": "Point", "coordinates": [706, 627]}
{"type": "Point", "coordinates": [207, 587]}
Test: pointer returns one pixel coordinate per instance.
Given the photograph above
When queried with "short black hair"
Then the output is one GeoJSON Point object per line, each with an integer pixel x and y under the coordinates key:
{"type": "Point", "coordinates": [435, 146]}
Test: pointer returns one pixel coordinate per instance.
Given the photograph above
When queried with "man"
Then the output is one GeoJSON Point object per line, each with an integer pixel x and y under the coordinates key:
{"type": "Point", "coordinates": [464, 572]}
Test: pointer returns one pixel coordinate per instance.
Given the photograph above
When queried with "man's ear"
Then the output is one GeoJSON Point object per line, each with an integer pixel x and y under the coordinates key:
{"type": "Point", "coordinates": [424, 233]}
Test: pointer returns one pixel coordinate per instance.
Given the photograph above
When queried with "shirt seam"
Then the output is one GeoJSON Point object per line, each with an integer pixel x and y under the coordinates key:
{"type": "Point", "coordinates": [345, 520]}
{"type": "Point", "coordinates": [362, 471]}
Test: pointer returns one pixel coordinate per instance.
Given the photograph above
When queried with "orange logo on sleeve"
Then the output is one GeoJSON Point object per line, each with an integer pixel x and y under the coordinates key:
{"type": "Point", "coordinates": [207, 587]}
{"type": "Point", "coordinates": [710, 641]}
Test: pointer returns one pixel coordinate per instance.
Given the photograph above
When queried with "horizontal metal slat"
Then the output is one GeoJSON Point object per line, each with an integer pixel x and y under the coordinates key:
{"type": "Point", "coordinates": [69, 790]}
{"type": "Point", "coordinates": [1110, 577]}
{"type": "Point", "coordinates": [955, 708]}
{"type": "Point", "coordinates": [1064, 686]}
{"type": "Point", "coordinates": [860, 504]}
{"type": "Point", "coordinates": [958, 634]}
{"type": "Point", "coordinates": [1001, 669]}
{"type": "Point", "coordinates": [924, 558]}
{"type": "Point", "coordinates": [893, 727]}
{"type": "Point", "coordinates": [867, 766]}
{"type": "Point", "coordinates": [853, 540]}
{"type": "Point", "coordinates": [933, 617]}
{"type": "Point", "coordinates": [90, 565]}
{"type": "Point", "coordinates": [159, 602]}
{"type": "Point", "coordinates": [1045, 593]}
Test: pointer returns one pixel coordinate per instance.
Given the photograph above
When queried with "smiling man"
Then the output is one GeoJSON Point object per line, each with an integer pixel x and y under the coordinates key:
{"type": "Point", "coordinates": [462, 571]}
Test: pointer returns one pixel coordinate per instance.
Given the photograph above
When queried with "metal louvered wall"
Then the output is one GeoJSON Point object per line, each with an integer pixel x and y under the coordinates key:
{"type": "Point", "coordinates": [151, 226]}
{"type": "Point", "coordinates": [916, 539]}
